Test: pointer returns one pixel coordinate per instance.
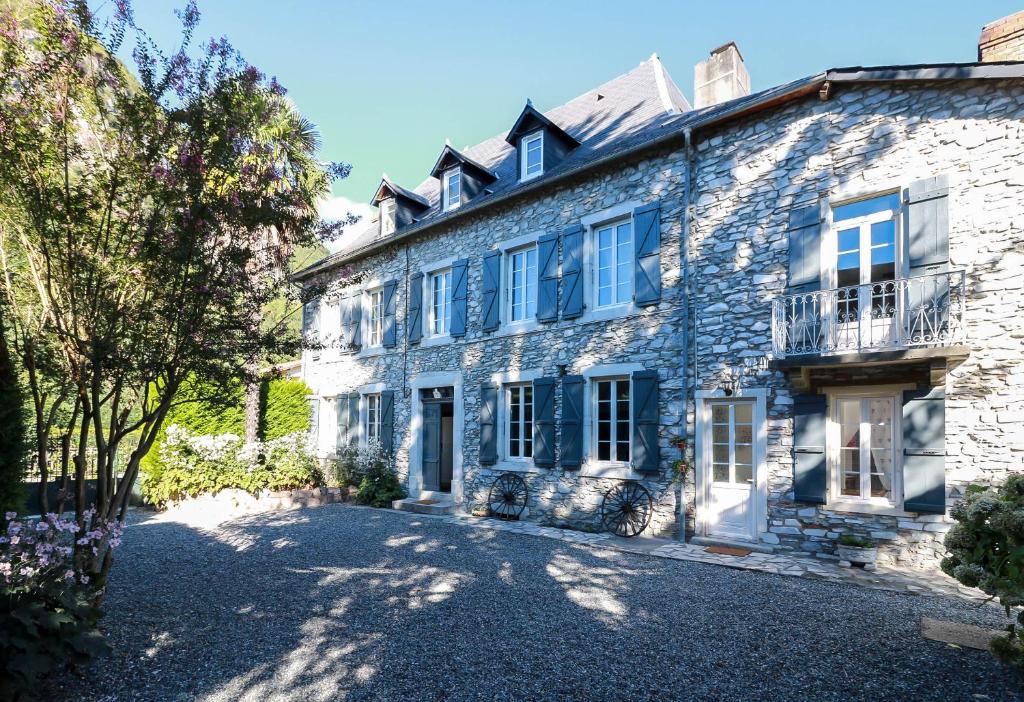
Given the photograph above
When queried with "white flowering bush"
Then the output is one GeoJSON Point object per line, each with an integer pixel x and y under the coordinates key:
{"type": "Point", "coordinates": [375, 475]}
{"type": "Point", "coordinates": [48, 611]}
{"type": "Point", "coordinates": [192, 465]}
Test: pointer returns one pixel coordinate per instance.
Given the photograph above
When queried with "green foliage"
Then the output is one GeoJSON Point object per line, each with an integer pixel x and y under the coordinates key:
{"type": "Point", "coordinates": [284, 408]}
{"type": "Point", "coordinates": [855, 541]}
{"type": "Point", "coordinates": [379, 485]}
{"type": "Point", "coordinates": [986, 551]}
{"type": "Point", "coordinates": [346, 472]}
{"type": "Point", "coordinates": [43, 628]}
{"type": "Point", "coordinates": [284, 411]}
{"type": "Point", "coordinates": [193, 465]}
{"type": "Point", "coordinates": [12, 431]}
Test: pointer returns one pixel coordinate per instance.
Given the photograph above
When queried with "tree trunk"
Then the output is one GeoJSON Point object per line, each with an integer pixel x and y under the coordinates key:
{"type": "Point", "coordinates": [252, 406]}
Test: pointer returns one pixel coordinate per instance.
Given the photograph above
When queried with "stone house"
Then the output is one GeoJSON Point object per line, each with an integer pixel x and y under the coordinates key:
{"type": "Point", "coordinates": [811, 293]}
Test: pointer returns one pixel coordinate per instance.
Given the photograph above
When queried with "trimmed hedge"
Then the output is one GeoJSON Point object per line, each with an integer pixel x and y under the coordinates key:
{"type": "Point", "coordinates": [284, 410]}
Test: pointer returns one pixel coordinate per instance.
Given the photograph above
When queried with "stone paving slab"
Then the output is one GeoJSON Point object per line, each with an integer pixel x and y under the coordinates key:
{"type": "Point", "coordinates": [928, 583]}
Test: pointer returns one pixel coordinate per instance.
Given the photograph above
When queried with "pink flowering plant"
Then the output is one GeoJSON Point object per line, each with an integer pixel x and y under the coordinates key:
{"type": "Point", "coordinates": [48, 598]}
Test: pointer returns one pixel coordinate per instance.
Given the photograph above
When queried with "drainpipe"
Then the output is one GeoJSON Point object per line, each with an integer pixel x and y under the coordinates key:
{"type": "Point", "coordinates": [687, 196]}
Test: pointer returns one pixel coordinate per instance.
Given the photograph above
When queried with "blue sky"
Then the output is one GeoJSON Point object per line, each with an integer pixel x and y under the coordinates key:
{"type": "Point", "coordinates": [387, 82]}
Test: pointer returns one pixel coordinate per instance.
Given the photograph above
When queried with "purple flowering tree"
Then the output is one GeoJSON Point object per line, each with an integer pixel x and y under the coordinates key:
{"type": "Point", "coordinates": [146, 222]}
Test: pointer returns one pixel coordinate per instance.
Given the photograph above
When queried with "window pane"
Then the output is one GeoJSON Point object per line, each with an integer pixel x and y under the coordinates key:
{"type": "Point", "coordinates": [849, 240]}
{"type": "Point", "coordinates": [720, 432]}
{"type": "Point", "coordinates": [720, 473]}
{"type": "Point", "coordinates": [720, 453]}
{"type": "Point", "coordinates": [744, 433]}
{"type": "Point", "coordinates": [720, 414]}
{"type": "Point", "coordinates": [880, 417]}
{"type": "Point", "coordinates": [883, 250]}
{"type": "Point", "coordinates": [744, 413]}
{"type": "Point", "coordinates": [744, 474]}
{"type": "Point", "coordinates": [744, 454]}
{"type": "Point", "coordinates": [866, 207]}
{"type": "Point", "coordinates": [849, 423]}
{"type": "Point", "coordinates": [530, 282]}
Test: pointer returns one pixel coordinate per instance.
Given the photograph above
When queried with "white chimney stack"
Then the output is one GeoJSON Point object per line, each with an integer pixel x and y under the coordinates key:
{"type": "Point", "coordinates": [721, 77]}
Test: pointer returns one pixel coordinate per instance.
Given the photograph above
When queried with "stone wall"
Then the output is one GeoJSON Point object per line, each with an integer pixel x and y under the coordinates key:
{"type": "Point", "coordinates": [752, 172]}
{"type": "Point", "coordinates": [650, 337]}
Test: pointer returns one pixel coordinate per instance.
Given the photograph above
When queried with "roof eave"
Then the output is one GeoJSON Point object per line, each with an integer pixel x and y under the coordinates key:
{"type": "Point", "coordinates": [766, 100]}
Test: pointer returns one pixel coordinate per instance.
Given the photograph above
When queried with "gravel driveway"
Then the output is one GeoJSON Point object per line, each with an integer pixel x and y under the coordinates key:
{"type": "Point", "coordinates": [343, 602]}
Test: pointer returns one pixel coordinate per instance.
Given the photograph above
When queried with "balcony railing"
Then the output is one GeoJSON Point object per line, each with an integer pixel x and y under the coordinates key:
{"type": "Point", "coordinates": [926, 310]}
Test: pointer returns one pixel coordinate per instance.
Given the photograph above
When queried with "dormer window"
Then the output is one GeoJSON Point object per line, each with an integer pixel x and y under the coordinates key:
{"type": "Point", "coordinates": [387, 216]}
{"type": "Point", "coordinates": [452, 189]}
{"type": "Point", "coordinates": [531, 151]}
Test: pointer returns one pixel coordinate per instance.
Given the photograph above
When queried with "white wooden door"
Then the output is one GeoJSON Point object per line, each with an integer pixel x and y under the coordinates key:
{"type": "Point", "coordinates": [729, 470]}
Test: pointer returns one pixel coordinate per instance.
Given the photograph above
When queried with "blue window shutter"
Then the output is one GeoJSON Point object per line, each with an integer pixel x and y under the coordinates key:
{"type": "Point", "coordinates": [572, 272]}
{"type": "Point", "coordinates": [647, 242]}
{"type": "Point", "coordinates": [810, 475]}
{"type": "Point", "coordinates": [547, 271]}
{"type": "Point", "coordinates": [490, 317]}
{"type": "Point", "coordinates": [544, 421]}
{"type": "Point", "coordinates": [570, 457]}
{"type": "Point", "coordinates": [414, 322]}
{"type": "Point", "coordinates": [345, 321]}
{"type": "Point", "coordinates": [347, 420]}
{"type": "Point", "coordinates": [927, 224]}
{"type": "Point", "coordinates": [353, 417]}
{"type": "Point", "coordinates": [387, 420]}
{"type": "Point", "coordinates": [644, 400]}
{"type": "Point", "coordinates": [460, 270]}
{"type": "Point", "coordinates": [924, 450]}
{"type": "Point", "coordinates": [390, 331]}
{"type": "Point", "coordinates": [355, 319]}
{"type": "Point", "coordinates": [488, 424]}
{"type": "Point", "coordinates": [311, 327]}
{"type": "Point", "coordinates": [804, 249]}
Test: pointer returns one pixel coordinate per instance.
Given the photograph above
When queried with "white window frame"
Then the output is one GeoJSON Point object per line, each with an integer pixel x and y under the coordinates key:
{"type": "Point", "coordinates": [506, 417]}
{"type": "Point", "coordinates": [368, 311]}
{"type": "Point", "coordinates": [370, 417]}
{"type": "Point", "coordinates": [849, 503]}
{"type": "Point", "coordinates": [429, 317]}
{"type": "Point", "coordinates": [524, 145]}
{"type": "Point", "coordinates": [507, 288]}
{"type": "Point", "coordinates": [449, 203]}
{"type": "Point", "coordinates": [830, 241]}
{"type": "Point", "coordinates": [386, 211]}
{"type": "Point", "coordinates": [595, 248]}
{"type": "Point", "coordinates": [594, 428]}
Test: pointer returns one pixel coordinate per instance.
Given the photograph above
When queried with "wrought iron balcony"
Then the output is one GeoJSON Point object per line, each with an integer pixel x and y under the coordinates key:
{"type": "Point", "coordinates": [922, 311]}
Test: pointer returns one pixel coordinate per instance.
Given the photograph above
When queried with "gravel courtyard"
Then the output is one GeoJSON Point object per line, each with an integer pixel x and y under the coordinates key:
{"type": "Point", "coordinates": [342, 602]}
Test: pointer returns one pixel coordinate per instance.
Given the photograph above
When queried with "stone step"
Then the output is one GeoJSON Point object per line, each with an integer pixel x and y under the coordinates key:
{"type": "Point", "coordinates": [425, 505]}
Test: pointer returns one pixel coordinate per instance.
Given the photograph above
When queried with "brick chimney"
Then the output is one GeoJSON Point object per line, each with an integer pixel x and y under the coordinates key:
{"type": "Point", "coordinates": [721, 77]}
{"type": "Point", "coordinates": [1003, 40]}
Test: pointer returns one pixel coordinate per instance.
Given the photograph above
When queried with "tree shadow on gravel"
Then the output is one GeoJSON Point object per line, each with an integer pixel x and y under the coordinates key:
{"type": "Point", "coordinates": [336, 602]}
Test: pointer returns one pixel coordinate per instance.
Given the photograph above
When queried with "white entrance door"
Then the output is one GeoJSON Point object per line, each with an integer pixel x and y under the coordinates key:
{"type": "Point", "coordinates": [729, 470]}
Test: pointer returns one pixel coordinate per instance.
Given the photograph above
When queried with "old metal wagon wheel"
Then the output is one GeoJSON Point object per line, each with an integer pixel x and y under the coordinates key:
{"type": "Point", "coordinates": [626, 509]}
{"type": "Point", "coordinates": [508, 496]}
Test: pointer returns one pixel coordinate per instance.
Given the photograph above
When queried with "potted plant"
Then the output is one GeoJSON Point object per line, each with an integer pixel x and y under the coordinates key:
{"type": "Point", "coordinates": [855, 550]}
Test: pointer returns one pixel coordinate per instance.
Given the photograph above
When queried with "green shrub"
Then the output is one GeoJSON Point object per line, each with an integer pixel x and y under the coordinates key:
{"type": "Point", "coordinates": [284, 410]}
{"type": "Point", "coordinates": [48, 616]}
{"type": "Point", "coordinates": [378, 483]}
{"type": "Point", "coordinates": [12, 431]}
{"type": "Point", "coordinates": [195, 465]}
{"type": "Point", "coordinates": [986, 551]}
{"type": "Point", "coordinates": [346, 471]}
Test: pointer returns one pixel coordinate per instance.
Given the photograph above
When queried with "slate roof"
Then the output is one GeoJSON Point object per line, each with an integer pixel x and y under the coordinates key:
{"type": "Point", "coordinates": [637, 110]}
{"type": "Point", "coordinates": [631, 108]}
